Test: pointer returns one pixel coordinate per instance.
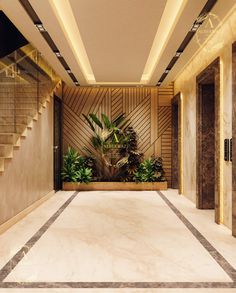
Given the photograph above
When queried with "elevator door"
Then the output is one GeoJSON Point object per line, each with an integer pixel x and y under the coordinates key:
{"type": "Point", "coordinates": [207, 136]}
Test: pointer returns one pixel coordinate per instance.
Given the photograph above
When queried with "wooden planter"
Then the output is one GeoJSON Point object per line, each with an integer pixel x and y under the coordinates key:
{"type": "Point", "coordinates": [115, 186]}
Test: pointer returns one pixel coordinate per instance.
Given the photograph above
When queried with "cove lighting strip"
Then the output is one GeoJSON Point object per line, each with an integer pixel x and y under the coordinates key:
{"type": "Point", "coordinates": [197, 23]}
{"type": "Point", "coordinates": [38, 23]}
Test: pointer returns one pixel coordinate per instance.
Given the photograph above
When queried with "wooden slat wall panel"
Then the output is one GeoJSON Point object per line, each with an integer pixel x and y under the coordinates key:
{"type": "Point", "coordinates": [148, 108]}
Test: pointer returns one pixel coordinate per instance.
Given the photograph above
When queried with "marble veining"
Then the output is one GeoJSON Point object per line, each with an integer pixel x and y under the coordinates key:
{"type": "Point", "coordinates": [118, 237]}
{"type": "Point", "coordinates": [219, 45]}
{"type": "Point", "coordinates": [119, 242]}
{"type": "Point", "coordinates": [11, 264]}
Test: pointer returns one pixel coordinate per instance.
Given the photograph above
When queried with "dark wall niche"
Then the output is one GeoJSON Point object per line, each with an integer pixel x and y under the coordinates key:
{"type": "Point", "coordinates": [10, 38]}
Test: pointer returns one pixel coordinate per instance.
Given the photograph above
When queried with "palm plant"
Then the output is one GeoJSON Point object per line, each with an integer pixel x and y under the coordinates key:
{"type": "Point", "coordinates": [108, 136]}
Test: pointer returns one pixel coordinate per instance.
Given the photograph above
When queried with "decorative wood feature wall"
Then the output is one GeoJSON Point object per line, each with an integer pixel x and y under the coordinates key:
{"type": "Point", "coordinates": [149, 109]}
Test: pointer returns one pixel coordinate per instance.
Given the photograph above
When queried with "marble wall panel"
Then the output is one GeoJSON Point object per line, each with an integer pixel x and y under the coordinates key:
{"type": "Point", "coordinates": [219, 45]}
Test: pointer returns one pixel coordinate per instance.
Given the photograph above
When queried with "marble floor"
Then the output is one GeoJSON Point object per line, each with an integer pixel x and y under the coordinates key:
{"type": "Point", "coordinates": [118, 241]}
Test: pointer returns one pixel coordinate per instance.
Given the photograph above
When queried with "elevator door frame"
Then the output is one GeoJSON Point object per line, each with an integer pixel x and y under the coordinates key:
{"type": "Point", "coordinates": [176, 144]}
{"type": "Point", "coordinates": [212, 69]}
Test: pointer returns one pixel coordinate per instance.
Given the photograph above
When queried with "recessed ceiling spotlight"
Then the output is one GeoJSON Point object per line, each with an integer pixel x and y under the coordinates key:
{"type": "Point", "coordinates": [40, 27]}
{"type": "Point", "coordinates": [177, 54]}
{"type": "Point", "coordinates": [195, 27]}
{"type": "Point", "coordinates": [167, 71]}
{"type": "Point", "coordinates": [58, 54]}
{"type": "Point", "coordinates": [76, 83]}
{"type": "Point", "coordinates": [159, 83]}
{"type": "Point", "coordinates": [68, 70]}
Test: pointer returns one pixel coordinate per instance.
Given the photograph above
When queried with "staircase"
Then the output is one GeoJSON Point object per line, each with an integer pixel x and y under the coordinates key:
{"type": "Point", "coordinates": [16, 119]}
{"type": "Point", "coordinates": [22, 100]}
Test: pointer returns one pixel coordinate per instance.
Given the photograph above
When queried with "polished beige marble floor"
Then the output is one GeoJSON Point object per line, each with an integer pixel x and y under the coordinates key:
{"type": "Point", "coordinates": [118, 237]}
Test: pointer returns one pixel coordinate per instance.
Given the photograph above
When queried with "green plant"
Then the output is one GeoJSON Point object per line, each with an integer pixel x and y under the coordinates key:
{"type": "Point", "coordinates": [84, 175]}
{"type": "Point", "coordinates": [108, 137]}
{"type": "Point", "coordinates": [90, 162]}
{"type": "Point", "coordinates": [70, 168]}
{"type": "Point", "coordinates": [75, 167]}
{"type": "Point", "coordinates": [150, 170]}
{"type": "Point", "coordinates": [158, 168]}
{"type": "Point", "coordinates": [129, 150]}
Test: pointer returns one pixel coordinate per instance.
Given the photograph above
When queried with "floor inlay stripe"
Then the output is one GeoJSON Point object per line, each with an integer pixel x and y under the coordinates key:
{"type": "Point", "coordinates": [12, 263]}
{"type": "Point", "coordinates": [6, 270]}
{"type": "Point", "coordinates": [226, 266]}
{"type": "Point", "coordinates": [110, 285]}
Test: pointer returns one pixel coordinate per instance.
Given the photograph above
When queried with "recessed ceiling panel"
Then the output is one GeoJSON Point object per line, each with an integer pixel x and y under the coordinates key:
{"type": "Point", "coordinates": [118, 35]}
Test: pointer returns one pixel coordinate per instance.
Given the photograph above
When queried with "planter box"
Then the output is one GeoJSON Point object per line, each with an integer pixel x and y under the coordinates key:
{"type": "Point", "coordinates": [115, 186]}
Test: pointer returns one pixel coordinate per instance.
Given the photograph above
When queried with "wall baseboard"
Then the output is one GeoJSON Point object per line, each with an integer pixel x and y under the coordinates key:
{"type": "Point", "coordinates": [8, 224]}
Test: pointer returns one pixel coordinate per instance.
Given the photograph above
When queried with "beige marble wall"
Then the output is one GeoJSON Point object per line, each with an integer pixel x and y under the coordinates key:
{"type": "Point", "coordinates": [220, 45]}
{"type": "Point", "coordinates": [29, 175]}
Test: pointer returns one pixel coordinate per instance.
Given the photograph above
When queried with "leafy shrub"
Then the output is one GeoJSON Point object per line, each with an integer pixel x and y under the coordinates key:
{"type": "Point", "coordinates": [150, 170]}
{"type": "Point", "coordinates": [84, 175]}
{"type": "Point", "coordinates": [107, 138]}
{"type": "Point", "coordinates": [70, 168]}
{"type": "Point", "coordinates": [75, 167]}
{"type": "Point", "coordinates": [129, 149]}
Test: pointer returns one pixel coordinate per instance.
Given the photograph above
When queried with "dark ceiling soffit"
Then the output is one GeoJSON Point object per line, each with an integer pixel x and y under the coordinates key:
{"type": "Point", "coordinates": [197, 23]}
{"type": "Point", "coordinates": [36, 20]}
{"type": "Point", "coordinates": [10, 37]}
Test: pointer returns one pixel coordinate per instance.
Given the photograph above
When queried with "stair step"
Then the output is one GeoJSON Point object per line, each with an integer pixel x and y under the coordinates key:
{"type": "Point", "coordinates": [6, 150]}
{"type": "Point", "coordinates": [4, 90]}
{"type": "Point", "coordinates": [20, 95]}
{"type": "Point", "coordinates": [18, 111]}
{"type": "Point", "coordinates": [18, 128]}
{"type": "Point", "coordinates": [20, 108]}
{"type": "Point", "coordinates": [7, 101]}
{"type": "Point", "coordinates": [18, 105]}
{"type": "Point", "coordinates": [19, 119]}
{"type": "Point", "coordinates": [9, 138]}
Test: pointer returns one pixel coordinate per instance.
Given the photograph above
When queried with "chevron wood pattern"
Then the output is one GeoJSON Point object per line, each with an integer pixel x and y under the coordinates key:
{"type": "Point", "coordinates": [148, 108]}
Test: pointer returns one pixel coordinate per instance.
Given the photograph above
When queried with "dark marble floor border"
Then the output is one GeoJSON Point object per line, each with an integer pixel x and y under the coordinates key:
{"type": "Point", "coordinates": [110, 285]}
{"type": "Point", "coordinates": [6, 270]}
{"type": "Point", "coordinates": [226, 266]}
{"type": "Point", "coordinates": [12, 263]}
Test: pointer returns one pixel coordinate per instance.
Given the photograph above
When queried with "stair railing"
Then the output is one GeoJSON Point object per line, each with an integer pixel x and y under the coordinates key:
{"type": "Point", "coordinates": [26, 80]}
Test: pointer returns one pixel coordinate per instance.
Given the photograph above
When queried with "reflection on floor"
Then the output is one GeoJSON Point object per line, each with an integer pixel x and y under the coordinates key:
{"type": "Point", "coordinates": [111, 240]}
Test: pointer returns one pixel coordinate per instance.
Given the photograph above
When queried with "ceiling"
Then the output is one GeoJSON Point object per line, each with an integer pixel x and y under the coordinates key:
{"type": "Point", "coordinates": [111, 42]}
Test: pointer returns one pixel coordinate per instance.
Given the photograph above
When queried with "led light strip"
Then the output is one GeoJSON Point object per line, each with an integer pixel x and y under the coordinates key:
{"type": "Point", "coordinates": [37, 22]}
{"type": "Point", "coordinates": [197, 23]}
